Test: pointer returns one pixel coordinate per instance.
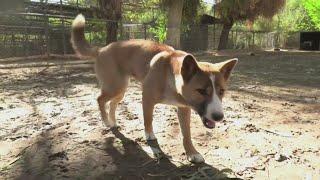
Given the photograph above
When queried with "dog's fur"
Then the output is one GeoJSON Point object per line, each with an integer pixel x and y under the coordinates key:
{"type": "Point", "coordinates": [168, 76]}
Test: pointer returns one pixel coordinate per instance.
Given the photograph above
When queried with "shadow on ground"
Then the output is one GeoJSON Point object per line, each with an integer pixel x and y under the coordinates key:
{"type": "Point", "coordinates": [55, 82]}
{"type": "Point", "coordinates": [132, 162]}
{"type": "Point", "coordinates": [135, 163]}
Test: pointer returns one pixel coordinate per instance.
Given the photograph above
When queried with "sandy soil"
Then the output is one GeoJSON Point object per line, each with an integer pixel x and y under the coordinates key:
{"type": "Point", "coordinates": [50, 126]}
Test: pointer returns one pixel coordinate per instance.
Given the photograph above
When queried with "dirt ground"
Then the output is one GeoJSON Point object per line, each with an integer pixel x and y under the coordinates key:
{"type": "Point", "coordinates": [50, 126]}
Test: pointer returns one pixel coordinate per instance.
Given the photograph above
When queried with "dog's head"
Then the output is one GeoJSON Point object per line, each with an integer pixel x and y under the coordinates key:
{"type": "Point", "coordinates": [204, 85]}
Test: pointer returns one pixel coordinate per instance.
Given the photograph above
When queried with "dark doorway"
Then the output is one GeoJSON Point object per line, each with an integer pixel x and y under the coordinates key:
{"type": "Point", "coordinates": [310, 41]}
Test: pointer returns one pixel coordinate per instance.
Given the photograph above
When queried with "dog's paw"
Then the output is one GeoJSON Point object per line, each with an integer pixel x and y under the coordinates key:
{"type": "Point", "coordinates": [195, 158]}
{"type": "Point", "coordinates": [110, 124]}
{"type": "Point", "coordinates": [150, 136]}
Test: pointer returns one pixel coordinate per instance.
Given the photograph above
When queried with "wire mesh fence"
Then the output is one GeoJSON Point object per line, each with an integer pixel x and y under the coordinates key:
{"type": "Point", "coordinates": [43, 28]}
{"type": "Point", "coordinates": [29, 38]}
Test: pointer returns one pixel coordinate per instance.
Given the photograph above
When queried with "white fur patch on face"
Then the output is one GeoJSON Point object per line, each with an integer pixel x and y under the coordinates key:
{"type": "Point", "coordinates": [215, 105]}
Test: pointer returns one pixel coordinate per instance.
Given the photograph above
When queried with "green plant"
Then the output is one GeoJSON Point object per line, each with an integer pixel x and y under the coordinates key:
{"type": "Point", "coordinates": [312, 8]}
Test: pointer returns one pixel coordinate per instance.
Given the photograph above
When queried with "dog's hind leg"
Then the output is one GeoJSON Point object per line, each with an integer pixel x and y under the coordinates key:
{"type": "Point", "coordinates": [102, 100]}
{"type": "Point", "coordinates": [112, 94]}
{"type": "Point", "coordinates": [112, 108]}
{"type": "Point", "coordinates": [147, 117]}
{"type": "Point", "coordinates": [148, 104]}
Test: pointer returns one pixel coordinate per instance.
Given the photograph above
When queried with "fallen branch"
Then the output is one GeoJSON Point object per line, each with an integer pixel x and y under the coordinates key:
{"type": "Point", "coordinates": [18, 156]}
{"type": "Point", "coordinates": [23, 150]}
{"type": "Point", "coordinates": [14, 161]}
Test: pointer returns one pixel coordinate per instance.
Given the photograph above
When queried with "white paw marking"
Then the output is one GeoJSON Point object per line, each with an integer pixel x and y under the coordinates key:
{"type": "Point", "coordinates": [150, 136]}
{"type": "Point", "coordinates": [195, 158]}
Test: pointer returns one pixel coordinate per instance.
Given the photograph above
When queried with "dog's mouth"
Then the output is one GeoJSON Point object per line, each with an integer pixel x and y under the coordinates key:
{"type": "Point", "coordinates": [210, 124]}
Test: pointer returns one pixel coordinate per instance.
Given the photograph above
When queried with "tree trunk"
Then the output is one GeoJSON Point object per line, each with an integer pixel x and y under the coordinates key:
{"type": "Point", "coordinates": [111, 11]}
{"type": "Point", "coordinates": [174, 22]}
{"type": "Point", "coordinates": [224, 36]}
{"type": "Point", "coordinates": [112, 29]}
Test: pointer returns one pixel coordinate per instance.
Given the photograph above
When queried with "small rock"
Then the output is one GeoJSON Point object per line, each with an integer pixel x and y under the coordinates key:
{"type": "Point", "coordinates": [105, 131]}
{"type": "Point", "coordinates": [280, 157]}
{"type": "Point", "coordinates": [85, 141]}
{"type": "Point", "coordinates": [209, 134]}
{"type": "Point", "coordinates": [64, 170]}
{"type": "Point", "coordinates": [139, 139]}
{"type": "Point", "coordinates": [85, 112]}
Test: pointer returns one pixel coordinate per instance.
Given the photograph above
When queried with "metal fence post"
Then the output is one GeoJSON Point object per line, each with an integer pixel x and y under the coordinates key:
{"type": "Point", "coordinates": [252, 38]}
{"type": "Point", "coordinates": [63, 30]}
{"type": "Point", "coordinates": [145, 31]}
{"type": "Point", "coordinates": [47, 29]}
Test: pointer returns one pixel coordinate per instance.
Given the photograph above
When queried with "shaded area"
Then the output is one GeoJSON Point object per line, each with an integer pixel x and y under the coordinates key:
{"type": "Point", "coordinates": [135, 163]}
{"type": "Point", "coordinates": [55, 81]}
{"type": "Point", "coordinates": [38, 161]}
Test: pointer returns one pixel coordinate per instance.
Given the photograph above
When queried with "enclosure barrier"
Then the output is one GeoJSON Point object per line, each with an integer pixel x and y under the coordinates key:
{"type": "Point", "coordinates": [43, 28]}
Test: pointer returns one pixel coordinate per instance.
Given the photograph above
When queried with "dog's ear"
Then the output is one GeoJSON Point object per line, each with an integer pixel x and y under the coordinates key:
{"type": "Point", "coordinates": [226, 67]}
{"type": "Point", "coordinates": [189, 68]}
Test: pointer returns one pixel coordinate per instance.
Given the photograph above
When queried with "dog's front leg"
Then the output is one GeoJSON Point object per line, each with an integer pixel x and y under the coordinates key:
{"type": "Point", "coordinates": [184, 121]}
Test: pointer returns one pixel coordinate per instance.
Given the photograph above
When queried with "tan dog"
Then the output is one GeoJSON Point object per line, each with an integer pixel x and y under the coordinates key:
{"type": "Point", "coordinates": [168, 76]}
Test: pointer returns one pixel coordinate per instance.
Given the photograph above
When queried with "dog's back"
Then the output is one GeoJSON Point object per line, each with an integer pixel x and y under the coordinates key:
{"type": "Point", "coordinates": [132, 57]}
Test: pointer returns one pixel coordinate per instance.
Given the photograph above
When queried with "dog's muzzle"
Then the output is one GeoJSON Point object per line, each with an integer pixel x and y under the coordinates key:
{"type": "Point", "coordinates": [208, 123]}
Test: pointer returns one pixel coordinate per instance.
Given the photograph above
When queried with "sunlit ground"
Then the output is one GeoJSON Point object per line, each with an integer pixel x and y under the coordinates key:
{"type": "Point", "coordinates": [50, 125]}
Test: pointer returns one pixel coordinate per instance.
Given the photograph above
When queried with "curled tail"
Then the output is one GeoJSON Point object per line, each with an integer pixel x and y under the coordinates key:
{"type": "Point", "coordinates": [78, 41]}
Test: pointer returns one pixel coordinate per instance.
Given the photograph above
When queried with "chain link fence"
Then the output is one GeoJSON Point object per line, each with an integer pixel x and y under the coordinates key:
{"type": "Point", "coordinates": [206, 38]}
{"type": "Point", "coordinates": [44, 29]}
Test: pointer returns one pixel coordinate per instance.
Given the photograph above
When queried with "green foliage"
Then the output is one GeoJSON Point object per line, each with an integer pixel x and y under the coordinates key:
{"type": "Point", "coordinates": [156, 16]}
{"type": "Point", "coordinates": [83, 2]}
{"type": "Point", "coordinates": [190, 10]}
{"type": "Point", "coordinates": [160, 29]}
{"type": "Point", "coordinates": [312, 8]}
{"type": "Point", "coordinates": [293, 18]}
{"type": "Point", "coordinates": [231, 11]}
{"type": "Point", "coordinates": [149, 12]}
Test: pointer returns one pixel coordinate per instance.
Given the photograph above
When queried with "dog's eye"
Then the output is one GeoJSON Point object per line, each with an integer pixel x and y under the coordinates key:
{"type": "Point", "coordinates": [202, 92]}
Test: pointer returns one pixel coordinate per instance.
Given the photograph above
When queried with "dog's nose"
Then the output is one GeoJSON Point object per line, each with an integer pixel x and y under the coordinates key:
{"type": "Point", "coordinates": [217, 116]}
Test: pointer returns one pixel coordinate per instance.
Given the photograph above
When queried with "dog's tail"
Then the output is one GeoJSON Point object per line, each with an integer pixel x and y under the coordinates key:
{"type": "Point", "coordinates": [78, 41]}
